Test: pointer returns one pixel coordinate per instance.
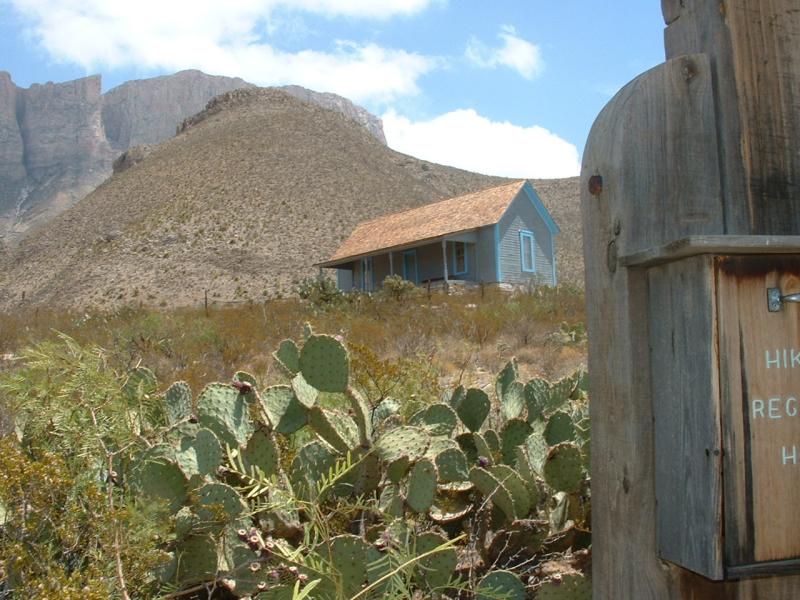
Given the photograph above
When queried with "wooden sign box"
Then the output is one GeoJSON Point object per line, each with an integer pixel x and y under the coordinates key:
{"type": "Point", "coordinates": [726, 399]}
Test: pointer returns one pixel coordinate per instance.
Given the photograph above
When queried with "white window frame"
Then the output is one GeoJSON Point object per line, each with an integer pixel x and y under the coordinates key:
{"type": "Point", "coordinates": [527, 237]}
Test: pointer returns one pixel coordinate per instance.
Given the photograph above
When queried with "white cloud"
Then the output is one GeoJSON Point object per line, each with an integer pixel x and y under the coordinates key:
{"type": "Point", "coordinates": [226, 38]}
{"type": "Point", "coordinates": [516, 53]}
{"type": "Point", "coordinates": [467, 140]}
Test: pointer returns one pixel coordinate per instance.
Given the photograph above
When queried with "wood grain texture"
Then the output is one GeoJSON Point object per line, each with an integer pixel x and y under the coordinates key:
{"type": "Point", "coordinates": [761, 406]}
{"type": "Point", "coordinates": [754, 49]}
{"type": "Point", "coordinates": [713, 244]}
{"type": "Point", "coordinates": [686, 411]}
{"type": "Point", "coordinates": [637, 150]}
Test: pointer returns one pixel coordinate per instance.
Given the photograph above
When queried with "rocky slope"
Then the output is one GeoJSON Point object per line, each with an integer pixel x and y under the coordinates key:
{"type": "Point", "coordinates": [241, 204]}
{"type": "Point", "coordinates": [58, 141]}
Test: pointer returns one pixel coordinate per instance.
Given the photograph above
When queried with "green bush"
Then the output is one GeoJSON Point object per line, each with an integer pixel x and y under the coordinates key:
{"type": "Point", "coordinates": [324, 486]}
{"type": "Point", "coordinates": [320, 291]}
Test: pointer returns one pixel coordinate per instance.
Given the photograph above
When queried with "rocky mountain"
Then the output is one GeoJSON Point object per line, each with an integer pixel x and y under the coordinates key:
{"type": "Point", "coordinates": [241, 203]}
{"type": "Point", "coordinates": [58, 141]}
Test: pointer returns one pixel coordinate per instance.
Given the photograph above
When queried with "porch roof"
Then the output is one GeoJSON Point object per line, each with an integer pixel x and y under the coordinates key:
{"type": "Point", "coordinates": [427, 223]}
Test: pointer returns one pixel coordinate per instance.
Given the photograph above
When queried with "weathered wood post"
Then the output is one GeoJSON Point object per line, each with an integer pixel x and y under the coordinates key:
{"type": "Point", "coordinates": [691, 212]}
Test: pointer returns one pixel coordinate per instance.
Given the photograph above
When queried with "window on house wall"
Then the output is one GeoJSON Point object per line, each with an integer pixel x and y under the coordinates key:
{"type": "Point", "coordinates": [527, 251]}
{"type": "Point", "coordinates": [460, 265]}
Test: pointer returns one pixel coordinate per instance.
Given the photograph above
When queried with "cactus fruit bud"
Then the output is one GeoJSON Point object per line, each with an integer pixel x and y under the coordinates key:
{"type": "Point", "coordinates": [242, 533]}
{"type": "Point", "coordinates": [255, 567]}
{"type": "Point", "coordinates": [244, 387]}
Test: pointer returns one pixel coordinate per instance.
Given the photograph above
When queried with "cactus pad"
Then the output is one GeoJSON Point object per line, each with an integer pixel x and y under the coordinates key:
{"type": "Point", "coordinates": [310, 465]}
{"type": "Point", "coordinates": [572, 586]}
{"type": "Point", "coordinates": [449, 507]}
{"type": "Point", "coordinates": [218, 503]}
{"type": "Point", "coordinates": [197, 559]}
{"type": "Point", "coordinates": [305, 394]}
{"type": "Point", "coordinates": [223, 410]}
{"type": "Point", "coordinates": [349, 558]}
{"type": "Point", "coordinates": [397, 469]}
{"type": "Point", "coordinates": [506, 378]}
{"type": "Point", "coordinates": [515, 486]}
{"type": "Point", "coordinates": [261, 452]}
{"type": "Point", "coordinates": [500, 584]}
{"type": "Point", "coordinates": [436, 570]}
{"type": "Point", "coordinates": [455, 397]}
{"type": "Point", "coordinates": [361, 415]}
{"type": "Point", "coordinates": [288, 357]}
{"type": "Point", "coordinates": [335, 428]}
{"type": "Point", "coordinates": [285, 412]}
{"type": "Point", "coordinates": [474, 409]}
{"type": "Point", "coordinates": [492, 440]}
{"type": "Point", "coordinates": [493, 490]}
{"type": "Point", "coordinates": [199, 455]}
{"type": "Point", "coordinates": [452, 466]}
{"type": "Point", "coordinates": [559, 428]}
{"type": "Point", "coordinates": [409, 442]}
{"type": "Point", "coordinates": [178, 402]}
{"type": "Point", "coordinates": [324, 363]}
{"type": "Point", "coordinates": [438, 419]}
{"type": "Point", "coordinates": [160, 479]}
{"type": "Point", "coordinates": [563, 468]}
{"type": "Point", "coordinates": [391, 501]}
{"type": "Point", "coordinates": [421, 486]}
{"type": "Point", "coordinates": [512, 402]}
{"type": "Point", "coordinates": [537, 398]}
{"type": "Point", "coordinates": [513, 434]}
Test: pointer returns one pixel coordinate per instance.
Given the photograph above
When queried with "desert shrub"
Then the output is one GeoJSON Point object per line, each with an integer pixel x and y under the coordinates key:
{"type": "Point", "coordinates": [397, 288]}
{"type": "Point", "coordinates": [319, 291]}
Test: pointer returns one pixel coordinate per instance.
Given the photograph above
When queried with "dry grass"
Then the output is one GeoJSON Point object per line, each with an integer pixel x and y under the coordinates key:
{"type": "Point", "coordinates": [466, 337]}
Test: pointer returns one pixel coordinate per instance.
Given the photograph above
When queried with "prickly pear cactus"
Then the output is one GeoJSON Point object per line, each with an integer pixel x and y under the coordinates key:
{"type": "Point", "coordinates": [563, 468]}
{"type": "Point", "coordinates": [324, 363]}
{"type": "Point", "coordinates": [500, 584]}
{"type": "Point", "coordinates": [435, 571]}
{"type": "Point", "coordinates": [349, 557]}
{"type": "Point", "coordinates": [284, 411]}
{"type": "Point", "coordinates": [178, 403]}
{"type": "Point", "coordinates": [421, 486]}
{"type": "Point", "coordinates": [161, 480]}
{"type": "Point", "coordinates": [199, 455]}
{"type": "Point", "coordinates": [474, 409]}
{"type": "Point", "coordinates": [288, 357]}
{"type": "Point", "coordinates": [225, 411]}
{"type": "Point", "coordinates": [572, 586]}
{"type": "Point", "coordinates": [262, 453]}
{"type": "Point", "coordinates": [517, 479]}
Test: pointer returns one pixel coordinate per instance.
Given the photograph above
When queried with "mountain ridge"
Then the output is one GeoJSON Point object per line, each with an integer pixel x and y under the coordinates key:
{"type": "Point", "coordinates": [58, 141]}
{"type": "Point", "coordinates": [242, 203]}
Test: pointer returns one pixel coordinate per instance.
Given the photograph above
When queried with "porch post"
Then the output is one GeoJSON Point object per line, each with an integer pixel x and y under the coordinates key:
{"type": "Point", "coordinates": [444, 257]}
{"type": "Point", "coordinates": [391, 262]}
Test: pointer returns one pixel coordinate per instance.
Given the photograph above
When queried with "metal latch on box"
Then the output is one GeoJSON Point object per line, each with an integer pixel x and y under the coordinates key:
{"type": "Point", "coordinates": [775, 299]}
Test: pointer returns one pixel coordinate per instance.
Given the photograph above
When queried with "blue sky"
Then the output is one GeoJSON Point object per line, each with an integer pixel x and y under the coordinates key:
{"type": "Point", "coordinates": [507, 87]}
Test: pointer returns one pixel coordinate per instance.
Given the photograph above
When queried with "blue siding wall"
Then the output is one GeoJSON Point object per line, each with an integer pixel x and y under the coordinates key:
{"type": "Point", "coordinates": [522, 216]}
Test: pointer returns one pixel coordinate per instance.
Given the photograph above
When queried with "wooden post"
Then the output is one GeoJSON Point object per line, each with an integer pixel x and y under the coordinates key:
{"type": "Point", "coordinates": [391, 263]}
{"type": "Point", "coordinates": [205, 301]}
{"type": "Point", "coordinates": [706, 144]}
{"type": "Point", "coordinates": [444, 262]}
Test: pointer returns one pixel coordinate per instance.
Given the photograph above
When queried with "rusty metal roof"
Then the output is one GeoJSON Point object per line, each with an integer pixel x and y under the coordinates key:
{"type": "Point", "coordinates": [446, 217]}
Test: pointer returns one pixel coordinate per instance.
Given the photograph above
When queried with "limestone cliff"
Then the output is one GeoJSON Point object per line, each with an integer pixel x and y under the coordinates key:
{"type": "Point", "coordinates": [59, 141]}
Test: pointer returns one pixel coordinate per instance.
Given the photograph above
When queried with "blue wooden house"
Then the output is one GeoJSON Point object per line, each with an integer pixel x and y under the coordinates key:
{"type": "Point", "coordinates": [499, 235]}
